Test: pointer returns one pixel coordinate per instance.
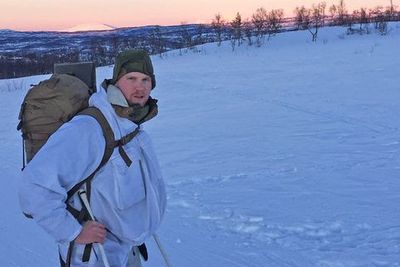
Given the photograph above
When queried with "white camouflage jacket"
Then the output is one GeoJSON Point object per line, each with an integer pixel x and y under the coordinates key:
{"type": "Point", "coordinates": [129, 201]}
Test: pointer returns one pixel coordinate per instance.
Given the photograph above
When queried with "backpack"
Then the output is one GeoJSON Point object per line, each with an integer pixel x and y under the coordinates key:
{"type": "Point", "coordinates": [55, 101]}
{"type": "Point", "coordinates": [51, 103]}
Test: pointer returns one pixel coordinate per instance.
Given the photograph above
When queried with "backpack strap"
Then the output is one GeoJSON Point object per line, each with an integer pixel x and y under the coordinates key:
{"type": "Point", "coordinates": [123, 141]}
{"type": "Point", "coordinates": [111, 143]}
{"type": "Point", "coordinates": [109, 148]}
{"type": "Point", "coordinates": [81, 216]}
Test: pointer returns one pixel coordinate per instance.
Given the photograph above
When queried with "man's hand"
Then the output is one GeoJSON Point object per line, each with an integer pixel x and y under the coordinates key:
{"type": "Point", "coordinates": [92, 232]}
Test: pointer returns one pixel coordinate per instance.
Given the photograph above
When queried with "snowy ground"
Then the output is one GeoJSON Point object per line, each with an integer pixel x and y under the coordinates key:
{"type": "Point", "coordinates": [285, 155]}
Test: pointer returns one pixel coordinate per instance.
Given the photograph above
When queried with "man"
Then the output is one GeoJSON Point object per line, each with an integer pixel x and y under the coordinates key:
{"type": "Point", "coordinates": [127, 194]}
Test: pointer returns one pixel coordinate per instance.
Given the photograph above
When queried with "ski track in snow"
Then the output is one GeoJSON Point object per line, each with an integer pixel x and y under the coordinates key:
{"type": "Point", "coordinates": [251, 231]}
{"type": "Point", "coordinates": [285, 155]}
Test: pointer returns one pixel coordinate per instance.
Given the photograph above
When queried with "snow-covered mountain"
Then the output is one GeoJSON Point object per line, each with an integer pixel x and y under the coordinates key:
{"type": "Point", "coordinates": [283, 155]}
{"type": "Point", "coordinates": [89, 27]}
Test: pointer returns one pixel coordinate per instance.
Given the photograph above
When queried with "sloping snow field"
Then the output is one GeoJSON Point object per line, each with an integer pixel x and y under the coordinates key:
{"type": "Point", "coordinates": [284, 155]}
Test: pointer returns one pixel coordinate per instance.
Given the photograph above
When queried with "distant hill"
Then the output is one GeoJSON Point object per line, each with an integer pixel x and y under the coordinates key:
{"type": "Point", "coordinates": [89, 27]}
{"type": "Point", "coordinates": [30, 53]}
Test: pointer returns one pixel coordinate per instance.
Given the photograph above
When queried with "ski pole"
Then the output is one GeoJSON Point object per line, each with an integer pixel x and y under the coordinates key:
{"type": "Point", "coordinates": [83, 197]}
{"type": "Point", "coordinates": [162, 250]}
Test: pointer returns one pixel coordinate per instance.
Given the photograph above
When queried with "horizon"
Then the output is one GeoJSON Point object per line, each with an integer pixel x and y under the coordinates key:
{"type": "Point", "coordinates": [46, 15]}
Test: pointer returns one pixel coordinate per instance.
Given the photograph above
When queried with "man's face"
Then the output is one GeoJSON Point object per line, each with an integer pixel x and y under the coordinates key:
{"type": "Point", "coordinates": [136, 87]}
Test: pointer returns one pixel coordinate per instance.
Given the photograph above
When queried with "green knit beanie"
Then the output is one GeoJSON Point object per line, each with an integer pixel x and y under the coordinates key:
{"type": "Point", "coordinates": [133, 61]}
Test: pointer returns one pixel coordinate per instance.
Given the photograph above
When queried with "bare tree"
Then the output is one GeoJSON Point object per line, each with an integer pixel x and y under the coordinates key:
{"type": "Point", "coordinates": [383, 27]}
{"type": "Point", "coordinates": [231, 38]}
{"type": "Point", "coordinates": [342, 12]}
{"type": "Point", "coordinates": [391, 9]}
{"type": "Point", "coordinates": [275, 18]}
{"type": "Point", "coordinates": [248, 31]}
{"type": "Point", "coordinates": [333, 11]}
{"type": "Point", "coordinates": [360, 17]}
{"type": "Point", "coordinates": [364, 19]}
{"type": "Point", "coordinates": [323, 6]}
{"type": "Point", "coordinates": [380, 18]}
{"type": "Point", "coordinates": [302, 18]}
{"type": "Point", "coordinates": [259, 20]}
{"type": "Point", "coordinates": [389, 13]}
{"type": "Point", "coordinates": [218, 25]}
{"type": "Point", "coordinates": [352, 19]}
{"type": "Point", "coordinates": [377, 15]}
{"type": "Point", "coordinates": [339, 13]}
{"type": "Point", "coordinates": [316, 19]}
{"type": "Point", "coordinates": [237, 29]}
{"type": "Point", "coordinates": [310, 19]}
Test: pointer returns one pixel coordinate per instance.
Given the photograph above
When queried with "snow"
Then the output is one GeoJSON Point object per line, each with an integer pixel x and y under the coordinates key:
{"type": "Point", "coordinates": [89, 27]}
{"type": "Point", "coordinates": [284, 155]}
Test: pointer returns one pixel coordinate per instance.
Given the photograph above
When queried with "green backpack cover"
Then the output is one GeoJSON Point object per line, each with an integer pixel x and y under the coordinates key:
{"type": "Point", "coordinates": [57, 100]}
{"type": "Point", "coordinates": [47, 106]}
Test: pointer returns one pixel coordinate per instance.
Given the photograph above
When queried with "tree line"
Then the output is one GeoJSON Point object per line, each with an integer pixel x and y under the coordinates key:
{"type": "Point", "coordinates": [260, 27]}
{"type": "Point", "coordinates": [263, 24]}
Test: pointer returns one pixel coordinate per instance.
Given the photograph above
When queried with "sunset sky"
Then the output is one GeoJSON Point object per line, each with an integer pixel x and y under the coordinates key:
{"type": "Point", "coordinates": [63, 14]}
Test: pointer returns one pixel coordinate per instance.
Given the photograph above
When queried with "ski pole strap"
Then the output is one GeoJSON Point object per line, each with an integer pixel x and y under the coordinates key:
{"type": "Point", "coordinates": [69, 254]}
{"type": "Point", "coordinates": [85, 256]}
{"type": "Point", "coordinates": [86, 252]}
{"type": "Point", "coordinates": [143, 251]}
{"type": "Point", "coordinates": [82, 216]}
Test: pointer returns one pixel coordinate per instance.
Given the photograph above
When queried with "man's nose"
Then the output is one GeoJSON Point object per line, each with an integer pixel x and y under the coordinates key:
{"type": "Point", "coordinates": [140, 86]}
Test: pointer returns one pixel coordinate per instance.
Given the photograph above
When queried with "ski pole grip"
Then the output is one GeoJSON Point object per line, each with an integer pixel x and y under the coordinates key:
{"type": "Point", "coordinates": [82, 195]}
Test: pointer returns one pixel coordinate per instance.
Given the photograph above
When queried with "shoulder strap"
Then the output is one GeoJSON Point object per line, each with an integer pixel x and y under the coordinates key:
{"type": "Point", "coordinates": [109, 148]}
{"type": "Point", "coordinates": [111, 143]}
{"type": "Point", "coordinates": [123, 141]}
{"type": "Point", "coordinates": [107, 131]}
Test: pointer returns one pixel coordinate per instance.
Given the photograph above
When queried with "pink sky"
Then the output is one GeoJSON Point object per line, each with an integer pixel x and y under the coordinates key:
{"type": "Point", "coordinates": [63, 14]}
